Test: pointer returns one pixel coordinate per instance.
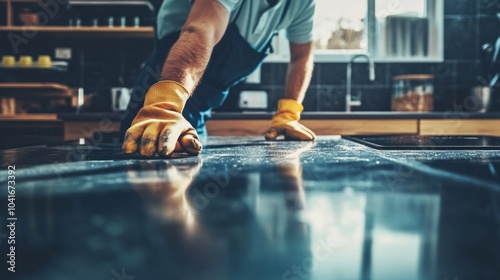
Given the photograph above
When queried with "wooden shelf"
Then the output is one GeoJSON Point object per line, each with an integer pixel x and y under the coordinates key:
{"type": "Point", "coordinates": [35, 67]}
{"type": "Point", "coordinates": [19, 1]}
{"type": "Point", "coordinates": [144, 32]}
{"type": "Point", "coordinates": [39, 89]}
{"type": "Point", "coordinates": [44, 86]}
{"type": "Point", "coordinates": [29, 117]}
{"type": "Point", "coordinates": [59, 66]}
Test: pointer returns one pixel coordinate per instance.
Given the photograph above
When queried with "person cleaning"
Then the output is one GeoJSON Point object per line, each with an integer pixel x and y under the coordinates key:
{"type": "Point", "coordinates": [203, 48]}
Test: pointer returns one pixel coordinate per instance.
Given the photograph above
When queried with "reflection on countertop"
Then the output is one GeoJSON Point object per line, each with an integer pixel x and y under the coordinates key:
{"type": "Point", "coordinates": [252, 209]}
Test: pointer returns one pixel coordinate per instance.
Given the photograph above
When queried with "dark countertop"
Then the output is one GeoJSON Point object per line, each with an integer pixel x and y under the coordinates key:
{"type": "Point", "coordinates": [252, 209]}
{"type": "Point", "coordinates": [309, 116]}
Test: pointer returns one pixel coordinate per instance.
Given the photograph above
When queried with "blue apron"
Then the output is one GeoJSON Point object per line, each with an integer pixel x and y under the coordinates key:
{"type": "Point", "coordinates": [232, 60]}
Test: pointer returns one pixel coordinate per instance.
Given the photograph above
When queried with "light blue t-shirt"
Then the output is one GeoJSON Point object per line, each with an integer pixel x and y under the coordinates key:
{"type": "Point", "coordinates": [256, 21]}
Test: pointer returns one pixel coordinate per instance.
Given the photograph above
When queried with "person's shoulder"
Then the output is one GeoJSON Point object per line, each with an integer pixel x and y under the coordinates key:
{"type": "Point", "coordinates": [303, 4]}
{"type": "Point", "coordinates": [234, 2]}
{"type": "Point", "coordinates": [229, 4]}
{"type": "Point", "coordinates": [303, 7]}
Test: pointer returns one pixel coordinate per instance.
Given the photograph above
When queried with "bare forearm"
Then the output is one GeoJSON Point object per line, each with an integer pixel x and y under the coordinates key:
{"type": "Point", "coordinates": [188, 59]}
{"type": "Point", "coordinates": [189, 56]}
{"type": "Point", "coordinates": [298, 78]}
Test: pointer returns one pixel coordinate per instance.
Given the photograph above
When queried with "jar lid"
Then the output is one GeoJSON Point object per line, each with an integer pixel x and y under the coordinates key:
{"type": "Point", "coordinates": [413, 77]}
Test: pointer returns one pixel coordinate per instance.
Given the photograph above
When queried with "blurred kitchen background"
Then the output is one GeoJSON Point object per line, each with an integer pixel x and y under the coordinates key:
{"type": "Point", "coordinates": [80, 57]}
{"type": "Point", "coordinates": [468, 26]}
{"type": "Point", "coordinates": [99, 60]}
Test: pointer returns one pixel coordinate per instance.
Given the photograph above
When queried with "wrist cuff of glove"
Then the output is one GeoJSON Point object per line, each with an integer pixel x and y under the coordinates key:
{"type": "Point", "coordinates": [290, 106]}
{"type": "Point", "coordinates": [167, 92]}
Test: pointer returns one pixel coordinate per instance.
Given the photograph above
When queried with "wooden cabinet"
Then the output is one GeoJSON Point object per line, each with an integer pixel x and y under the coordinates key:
{"type": "Point", "coordinates": [78, 129]}
{"type": "Point", "coordinates": [320, 127]}
{"type": "Point", "coordinates": [74, 128]}
{"type": "Point", "coordinates": [486, 127]}
{"type": "Point", "coordinates": [30, 130]}
{"type": "Point", "coordinates": [86, 129]}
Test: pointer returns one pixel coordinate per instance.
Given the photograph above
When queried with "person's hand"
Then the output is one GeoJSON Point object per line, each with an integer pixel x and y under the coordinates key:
{"type": "Point", "coordinates": [159, 126]}
{"type": "Point", "coordinates": [286, 122]}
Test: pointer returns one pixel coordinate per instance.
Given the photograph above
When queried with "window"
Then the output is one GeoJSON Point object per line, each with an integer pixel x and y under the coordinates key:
{"type": "Point", "coordinates": [340, 25]}
{"type": "Point", "coordinates": [389, 30]}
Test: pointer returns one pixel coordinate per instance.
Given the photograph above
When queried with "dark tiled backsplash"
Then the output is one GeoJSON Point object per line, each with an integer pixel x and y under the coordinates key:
{"type": "Point", "coordinates": [469, 24]}
{"type": "Point", "coordinates": [453, 81]}
{"type": "Point", "coordinates": [328, 86]}
{"type": "Point", "coordinates": [485, 7]}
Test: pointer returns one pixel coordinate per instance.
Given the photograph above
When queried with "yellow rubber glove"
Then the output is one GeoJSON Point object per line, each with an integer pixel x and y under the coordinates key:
{"type": "Point", "coordinates": [159, 125]}
{"type": "Point", "coordinates": [286, 122]}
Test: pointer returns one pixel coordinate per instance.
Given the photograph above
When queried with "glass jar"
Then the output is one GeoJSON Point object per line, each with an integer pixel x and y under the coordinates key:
{"type": "Point", "coordinates": [413, 93]}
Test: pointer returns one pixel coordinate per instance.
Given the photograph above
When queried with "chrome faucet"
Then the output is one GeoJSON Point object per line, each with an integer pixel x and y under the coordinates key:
{"type": "Point", "coordinates": [348, 99]}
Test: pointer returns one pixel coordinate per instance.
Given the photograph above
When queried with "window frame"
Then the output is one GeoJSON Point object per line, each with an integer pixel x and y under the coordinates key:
{"type": "Point", "coordinates": [435, 12]}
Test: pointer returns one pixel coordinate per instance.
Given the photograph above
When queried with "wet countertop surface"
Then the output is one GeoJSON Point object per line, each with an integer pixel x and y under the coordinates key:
{"type": "Point", "coordinates": [456, 114]}
{"type": "Point", "coordinates": [252, 209]}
